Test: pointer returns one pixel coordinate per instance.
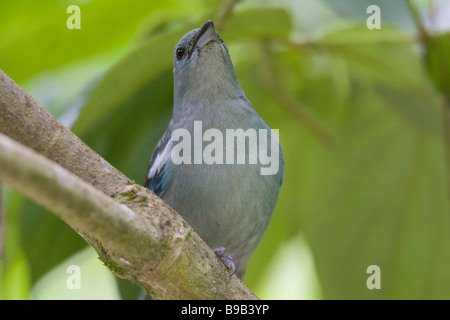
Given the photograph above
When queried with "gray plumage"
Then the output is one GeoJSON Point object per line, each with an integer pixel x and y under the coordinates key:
{"type": "Point", "coordinates": [228, 205]}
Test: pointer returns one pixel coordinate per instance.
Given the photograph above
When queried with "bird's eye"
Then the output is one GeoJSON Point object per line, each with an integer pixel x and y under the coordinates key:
{"type": "Point", "coordinates": [180, 53]}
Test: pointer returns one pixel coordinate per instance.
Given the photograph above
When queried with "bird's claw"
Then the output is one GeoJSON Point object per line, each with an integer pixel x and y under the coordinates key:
{"type": "Point", "coordinates": [226, 258]}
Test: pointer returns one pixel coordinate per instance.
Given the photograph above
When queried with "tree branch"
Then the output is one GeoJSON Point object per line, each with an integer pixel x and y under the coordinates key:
{"type": "Point", "coordinates": [135, 233]}
{"type": "Point", "coordinates": [2, 222]}
{"type": "Point", "coordinates": [224, 13]}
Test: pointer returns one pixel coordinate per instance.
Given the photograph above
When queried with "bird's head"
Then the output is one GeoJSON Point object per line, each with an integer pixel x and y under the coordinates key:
{"type": "Point", "coordinates": [202, 63]}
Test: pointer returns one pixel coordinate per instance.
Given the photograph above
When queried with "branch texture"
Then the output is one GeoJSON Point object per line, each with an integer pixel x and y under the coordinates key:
{"type": "Point", "coordinates": [135, 233]}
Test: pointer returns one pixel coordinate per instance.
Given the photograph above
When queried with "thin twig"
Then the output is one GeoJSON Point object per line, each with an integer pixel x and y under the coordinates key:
{"type": "Point", "coordinates": [223, 13]}
{"type": "Point", "coordinates": [293, 106]}
{"type": "Point", "coordinates": [314, 43]}
{"type": "Point", "coordinates": [415, 14]}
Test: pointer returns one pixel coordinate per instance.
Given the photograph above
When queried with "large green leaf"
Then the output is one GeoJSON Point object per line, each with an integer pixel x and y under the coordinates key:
{"type": "Point", "coordinates": [127, 78]}
{"type": "Point", "coordinates": [35, 36]}
{"type": "Point", "coordinates": [81, 276]}
{"type": "Point", "coordinates": [378, 195]}
{"type": "Point", "coordinates": [251, 23]}
{"type": "Point", "coordinates": [380, 199]}
{"type": "Point", "coordinates": [438, 61]}
{"type": "Point", "coordinates": [386, 57]}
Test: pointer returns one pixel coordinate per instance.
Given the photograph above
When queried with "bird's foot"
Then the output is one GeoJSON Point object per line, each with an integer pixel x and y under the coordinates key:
{"type": "Point", "coordinates": [226, 258]}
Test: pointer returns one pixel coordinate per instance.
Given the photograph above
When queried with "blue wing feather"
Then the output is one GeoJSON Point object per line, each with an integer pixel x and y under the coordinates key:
{"type": "Point", "coordinates": [155, 183]}
{"type": "Point", "coordinates": [157, 171]}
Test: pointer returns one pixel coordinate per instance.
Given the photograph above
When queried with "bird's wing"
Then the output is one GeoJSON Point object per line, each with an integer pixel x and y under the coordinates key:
{"type": "Point", "coordinates": [159, 165]}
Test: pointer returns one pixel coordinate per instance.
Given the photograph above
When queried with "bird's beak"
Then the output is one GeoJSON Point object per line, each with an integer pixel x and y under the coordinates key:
{"type": "Point", "coordinates": [207, 33]}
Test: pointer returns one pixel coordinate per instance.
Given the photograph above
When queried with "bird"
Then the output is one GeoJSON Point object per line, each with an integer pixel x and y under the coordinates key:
{"type": "Point", "coordinates": [228, 203]}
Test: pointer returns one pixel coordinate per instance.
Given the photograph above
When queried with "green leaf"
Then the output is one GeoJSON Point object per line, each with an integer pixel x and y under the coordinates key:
{"type": "Point", "coordinates": [438, 61]}
{"type": "Point", "coordinates": [14, 278]}
{"type": "Point", "coordinates": [378, 195]}
{"type": "Point", "coordinates": [127, 135]}
{"type": "Point", "coordinates": [381, 200]}
{"type": "Point", "coordinates": [371, 52]}
{"type": "Point", "coordinates": [43, 234]}
{"type": "Point", "coordinates": [35, 36]}
{"type": "Point", "coordinates": [386, 57]}
{"type": "Point", "coordinates": [257, 22]}
{"type": "Point", "coordinates": [81, 276]}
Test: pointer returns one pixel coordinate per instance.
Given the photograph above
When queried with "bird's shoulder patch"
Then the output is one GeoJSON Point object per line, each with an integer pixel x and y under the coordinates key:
{"type": "Point", "coordinates": [159, 165]}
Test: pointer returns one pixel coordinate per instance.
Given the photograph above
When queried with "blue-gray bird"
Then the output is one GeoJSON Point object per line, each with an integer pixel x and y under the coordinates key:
{"type": "Point", "coordinates": [228, 204]}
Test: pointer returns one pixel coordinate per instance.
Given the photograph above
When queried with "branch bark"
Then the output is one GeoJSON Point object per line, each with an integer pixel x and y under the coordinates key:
{"type": "Point", "coordinates": [135, 233]}
{"type": "Point", "coordinates": [224, 13]}
{"type": "Point", "coordinates": [2, 223]}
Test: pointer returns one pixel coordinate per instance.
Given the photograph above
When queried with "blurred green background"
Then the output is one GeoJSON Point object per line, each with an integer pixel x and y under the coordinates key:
{"type": "Point", "coordinates": [360, 116]}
